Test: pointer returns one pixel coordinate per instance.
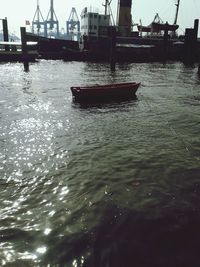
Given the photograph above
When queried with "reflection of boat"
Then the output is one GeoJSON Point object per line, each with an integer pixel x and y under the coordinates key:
{"type": "Point", "coordinates": [108, 91]}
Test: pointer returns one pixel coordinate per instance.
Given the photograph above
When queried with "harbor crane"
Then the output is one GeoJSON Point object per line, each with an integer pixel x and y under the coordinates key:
{"type": "Point", "coordinates": [52, 21]}
{"type": "Point", "coordinates": [38, 23]}
{"type": "Point", "coordinates": [73, 25]}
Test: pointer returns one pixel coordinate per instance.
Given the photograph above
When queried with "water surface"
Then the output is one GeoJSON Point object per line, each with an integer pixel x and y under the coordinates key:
{"type": "Point", "coordinates": [112, 184]}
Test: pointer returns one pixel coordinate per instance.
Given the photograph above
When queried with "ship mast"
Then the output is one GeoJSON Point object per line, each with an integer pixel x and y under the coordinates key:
{"type": "Point", "coordinates": [106, 6]}
{"type": "Point", "coordinates": [108, 10]}
{"type": "Point", "coordinates": [177, 9]}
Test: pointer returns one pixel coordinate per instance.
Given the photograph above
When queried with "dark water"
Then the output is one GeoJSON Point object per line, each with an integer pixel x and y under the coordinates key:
{"type": "Point", "coordinates": [108, 185]}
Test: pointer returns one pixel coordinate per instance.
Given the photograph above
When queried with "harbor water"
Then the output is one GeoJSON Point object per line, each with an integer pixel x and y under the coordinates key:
{"type": "Point", "coordinates": [105, 185]}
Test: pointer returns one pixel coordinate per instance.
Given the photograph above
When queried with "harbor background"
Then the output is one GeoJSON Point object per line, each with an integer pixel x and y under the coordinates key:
{"type": "Point", "coordinates": [18, 12]}
{"type": "Point", "coordinates": [113, 184]}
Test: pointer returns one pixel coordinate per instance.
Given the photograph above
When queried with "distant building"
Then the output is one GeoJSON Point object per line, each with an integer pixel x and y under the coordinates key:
{"type": "Point", "coordinates": [12, 37]}
{"type": "Point", "coordinates": [1, 36]}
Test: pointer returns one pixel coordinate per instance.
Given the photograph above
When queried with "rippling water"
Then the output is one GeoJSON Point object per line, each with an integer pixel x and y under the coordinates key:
{"type": "Point", "coordinates": [112, 184]}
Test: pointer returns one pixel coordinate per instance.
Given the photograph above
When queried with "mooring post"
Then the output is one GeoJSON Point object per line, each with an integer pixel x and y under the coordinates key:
{"type": "Point", "coordinates": [24, 48]}
{"type": "Point", "coordinates": [165, 42]}
{"type": "Point", "coordinates": [189, 47]}
{"type": "Point", "coordinates": [191, 43]}
{"type": "Point", "coordinates": [196, 27]}
{"type": "Point", "coordinates": [112, 48]}
{"type": "Point", "coordinates": [198, 57]}
{"type": "Point", "coordinates": [5, 33]}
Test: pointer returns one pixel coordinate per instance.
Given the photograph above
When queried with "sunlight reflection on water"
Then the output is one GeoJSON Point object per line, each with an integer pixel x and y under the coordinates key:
{"type": "Point", "coordinates": [76, 176]}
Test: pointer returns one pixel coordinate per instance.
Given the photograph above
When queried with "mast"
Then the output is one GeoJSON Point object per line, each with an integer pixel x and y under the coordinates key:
{"type": "Point", "coordinates": [177, 9]}
{"type": "Point", "coordinates": [106, 5]}
{"type": "Point", "coordinates": [108, 10]}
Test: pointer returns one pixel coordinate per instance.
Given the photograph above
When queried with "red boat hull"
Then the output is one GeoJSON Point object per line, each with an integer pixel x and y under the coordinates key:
{"type": "Point", "coordinates": [101, 92]}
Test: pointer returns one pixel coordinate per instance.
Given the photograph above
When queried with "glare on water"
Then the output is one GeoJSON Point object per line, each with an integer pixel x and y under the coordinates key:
{"type": "Point", "coordinates": [80, 183]}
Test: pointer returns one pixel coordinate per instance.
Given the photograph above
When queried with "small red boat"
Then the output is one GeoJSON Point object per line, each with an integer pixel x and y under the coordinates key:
{"type": "Point", "coordinates": [108, 91]}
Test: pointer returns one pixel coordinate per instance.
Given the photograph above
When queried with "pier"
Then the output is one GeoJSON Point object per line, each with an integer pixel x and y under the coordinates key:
{"type": "Point", "coordinates": [11, 51]}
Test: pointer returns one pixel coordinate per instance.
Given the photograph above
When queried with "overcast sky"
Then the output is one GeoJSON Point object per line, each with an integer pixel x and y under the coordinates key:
{"type": "Point", "coordinates": [17, 11]}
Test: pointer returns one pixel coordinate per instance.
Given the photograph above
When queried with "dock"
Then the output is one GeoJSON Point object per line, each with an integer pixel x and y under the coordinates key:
{"type": "Point", "coordinates": [104, 48]}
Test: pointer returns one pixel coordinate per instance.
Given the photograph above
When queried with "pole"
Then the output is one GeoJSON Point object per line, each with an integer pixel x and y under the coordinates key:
{"type": "Point", "coordinates": [24, 48]}
{"type": "Point", "coordinates": [190, 43]}
{"type": "Point", "coordinates": [177, 9]}
{"type": "Point", "coordinates": [5, 33]}
{"type": "Point", "coordinates": [165, 42]}
{"type": "Point", "coordinates": [106, 7]}
{"type": "Point", "coordinates": [196, 27]}
{"type": "Point", "coordinates": [112, 48]}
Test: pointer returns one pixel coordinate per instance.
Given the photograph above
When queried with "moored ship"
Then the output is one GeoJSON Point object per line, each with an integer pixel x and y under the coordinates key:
{"type": "Point", "coordinates": [160, 38]}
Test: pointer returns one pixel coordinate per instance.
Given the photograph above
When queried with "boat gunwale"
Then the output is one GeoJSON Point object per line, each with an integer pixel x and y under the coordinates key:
{"type": "Point", "coordinates": [107, 86]}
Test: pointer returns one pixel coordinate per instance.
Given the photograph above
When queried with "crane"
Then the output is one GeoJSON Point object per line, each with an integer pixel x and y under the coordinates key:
{"type": "Point", "coordinates": [73, 25]}
{"type": "Point", "coordinates": [38, 21]}
{"type": "Point", "coordinates": [52, 20]}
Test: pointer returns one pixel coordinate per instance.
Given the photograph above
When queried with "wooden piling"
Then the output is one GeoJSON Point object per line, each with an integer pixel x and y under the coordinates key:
{"type": "Point", "coordinates": [196, 27]}
{"type": "Point", "coordinates": [165, 42]}
{"type": "Point", "coordinates": [190, 44]}
{"type": "Point", "coordinates": [5, 33]}
{"type": "Point", "coordinates": [24, 48]}
{"type": "Point", "coordinates": [112, 48]}
{"type": "Point", "coordinates": [198, 69]}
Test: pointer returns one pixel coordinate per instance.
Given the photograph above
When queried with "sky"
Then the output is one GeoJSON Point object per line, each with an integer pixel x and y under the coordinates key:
{"type": "Point", "coordinates": [17, 11]}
